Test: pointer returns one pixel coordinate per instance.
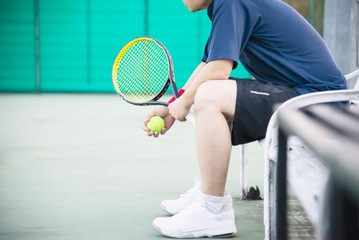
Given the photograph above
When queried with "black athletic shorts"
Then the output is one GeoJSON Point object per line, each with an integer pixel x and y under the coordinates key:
{"type": "Point", "coordinates": [254, 107]}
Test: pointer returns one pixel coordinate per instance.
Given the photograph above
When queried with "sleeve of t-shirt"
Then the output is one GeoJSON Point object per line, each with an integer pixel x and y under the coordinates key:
{"type": "Point", "coordinates": [232, 24]}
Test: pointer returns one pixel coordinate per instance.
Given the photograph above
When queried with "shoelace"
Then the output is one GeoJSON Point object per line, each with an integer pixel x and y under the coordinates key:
{"type": "Point", "coordinates": [192, 209]}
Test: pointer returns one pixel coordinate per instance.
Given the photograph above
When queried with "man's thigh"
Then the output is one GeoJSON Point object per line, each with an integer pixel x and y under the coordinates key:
{"type": "Point", "coordinates": [220, 94]}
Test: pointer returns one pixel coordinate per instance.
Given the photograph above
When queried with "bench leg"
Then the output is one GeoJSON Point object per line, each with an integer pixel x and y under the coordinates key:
{"type": "Point", "coordinates": [243, 183]}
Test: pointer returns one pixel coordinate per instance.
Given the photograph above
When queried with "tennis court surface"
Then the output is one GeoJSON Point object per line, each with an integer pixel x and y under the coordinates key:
{"type": "Point", "coordinates": [79, 166]}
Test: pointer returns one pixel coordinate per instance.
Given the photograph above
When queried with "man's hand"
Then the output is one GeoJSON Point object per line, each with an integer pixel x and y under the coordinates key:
{"type": "Point", "coordinates": [163, 113]}
{"type": "Point", "coordinates": [179, 109]}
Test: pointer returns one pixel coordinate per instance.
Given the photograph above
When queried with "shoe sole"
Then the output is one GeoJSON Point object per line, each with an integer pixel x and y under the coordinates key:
{"type": "Point", "coordinates": [213, 233]}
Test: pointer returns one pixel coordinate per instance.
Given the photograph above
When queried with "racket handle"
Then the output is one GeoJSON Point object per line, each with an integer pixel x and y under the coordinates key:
{"type": "Point", "coordinates": [190, 116]}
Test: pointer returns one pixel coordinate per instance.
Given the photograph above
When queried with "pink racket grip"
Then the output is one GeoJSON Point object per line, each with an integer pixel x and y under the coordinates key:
{"type": "Point", "coordinates": [180, 92]}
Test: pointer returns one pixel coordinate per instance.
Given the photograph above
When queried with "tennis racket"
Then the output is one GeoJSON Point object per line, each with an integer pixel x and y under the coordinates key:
{"type": "Point", "coordinates": [142, 73]}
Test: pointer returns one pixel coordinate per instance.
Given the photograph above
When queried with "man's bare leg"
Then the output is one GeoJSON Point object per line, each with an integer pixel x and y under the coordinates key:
{"type": "Point", "coordinates": [214, 107]}
{"type": "Point", "coordinates": [211, 213]}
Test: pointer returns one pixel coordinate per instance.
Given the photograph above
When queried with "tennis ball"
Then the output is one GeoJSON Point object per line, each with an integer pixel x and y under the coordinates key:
{"type": "Point", "coordinates": [156, 124]}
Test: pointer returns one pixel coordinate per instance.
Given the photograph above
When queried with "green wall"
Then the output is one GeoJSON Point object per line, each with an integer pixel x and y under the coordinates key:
{"type": "Point", "coordinates": [70, 46]}
{"type": "Point", "coordinates": [17, 46]}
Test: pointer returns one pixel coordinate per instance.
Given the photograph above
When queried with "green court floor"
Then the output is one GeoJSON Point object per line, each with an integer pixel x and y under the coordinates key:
{"type": "Point", "coordinates": [80, 167]}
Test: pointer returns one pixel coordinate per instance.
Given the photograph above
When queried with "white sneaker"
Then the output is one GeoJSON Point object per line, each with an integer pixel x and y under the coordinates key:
{"type": "Point", "coordinates": [197, 221]}
{"type": "Point", "coordinates": [175, 206]}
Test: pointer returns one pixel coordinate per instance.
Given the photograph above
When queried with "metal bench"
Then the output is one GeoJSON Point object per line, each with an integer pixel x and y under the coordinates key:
{"type": "Point", "coordinates": [331, 132]}
{"type": "Point", "coordinates": [302, 164]}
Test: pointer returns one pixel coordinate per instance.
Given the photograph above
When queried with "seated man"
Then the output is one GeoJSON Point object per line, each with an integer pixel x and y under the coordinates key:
{"type": "Point", "coordinates": [286, 57]}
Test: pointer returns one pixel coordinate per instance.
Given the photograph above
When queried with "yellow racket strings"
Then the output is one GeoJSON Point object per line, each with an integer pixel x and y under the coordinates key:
{"type": "Point", "coordinates": [141, 71]}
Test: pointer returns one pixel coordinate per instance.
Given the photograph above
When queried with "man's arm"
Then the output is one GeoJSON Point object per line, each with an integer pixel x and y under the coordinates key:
{"type": "Point", "coordinates": [194, 75]}
{"type": "Point", "coordinates": [214, 70]}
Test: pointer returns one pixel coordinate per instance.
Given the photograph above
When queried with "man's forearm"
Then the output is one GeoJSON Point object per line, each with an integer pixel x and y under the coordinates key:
{"type": "Point", "coordinates": [215, 70]}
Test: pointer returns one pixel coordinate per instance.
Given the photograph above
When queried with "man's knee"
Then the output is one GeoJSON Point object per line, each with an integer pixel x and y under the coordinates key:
{"type": "Point", "coordinates": [217, 96]}
{"type": "Point", "coordinates": [205, 96]}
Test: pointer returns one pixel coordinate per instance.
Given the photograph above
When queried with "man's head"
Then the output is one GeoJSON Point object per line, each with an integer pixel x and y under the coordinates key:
{"type": "Point", "coordinates": [196, 5]}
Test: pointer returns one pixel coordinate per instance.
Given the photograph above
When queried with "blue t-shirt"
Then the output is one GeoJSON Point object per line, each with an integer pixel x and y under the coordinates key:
{"type": "Point", "coordinates": [273, 42]}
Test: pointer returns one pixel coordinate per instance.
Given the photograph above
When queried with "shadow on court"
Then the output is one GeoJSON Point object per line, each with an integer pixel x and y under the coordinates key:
{"type": "Point", "coordinates": [81, 167]}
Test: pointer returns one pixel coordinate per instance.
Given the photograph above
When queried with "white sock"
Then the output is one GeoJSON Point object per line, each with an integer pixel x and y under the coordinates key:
{"type": "Point", "coordinates": [217, 204]}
